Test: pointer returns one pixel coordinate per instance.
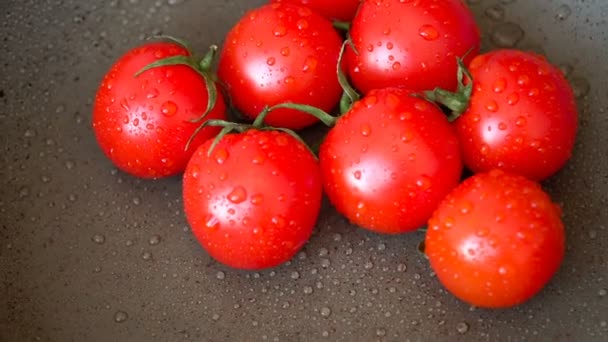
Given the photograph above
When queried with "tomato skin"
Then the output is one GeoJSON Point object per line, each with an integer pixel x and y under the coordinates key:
{"type": "Point", "coordinates": [389, 161]}
{"type": "Point", "coordinates": [522, 117]}
{"type": "Point", "coordinates": [254, 203]}
{"type": "Point", "coordinates": [496, 240]}
{"type": "Point", "coordinates": [410, 44]}
{"type": "Point", "coordinates": [281, 53]}
{"type": "Point", "coordinates": [142, 123]}
{"type": "Point", "coordinates": [343, 10]}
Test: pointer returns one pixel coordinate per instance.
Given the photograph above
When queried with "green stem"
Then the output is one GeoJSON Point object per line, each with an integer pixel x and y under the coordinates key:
{"type": "Point", "coordinates": [342, 25]}
{"type": "Point", "coordinates": [323, 116]}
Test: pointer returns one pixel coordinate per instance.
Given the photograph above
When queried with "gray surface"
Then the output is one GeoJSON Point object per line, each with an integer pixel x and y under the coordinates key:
{"type": "Point", "coordinates": [77, 237]}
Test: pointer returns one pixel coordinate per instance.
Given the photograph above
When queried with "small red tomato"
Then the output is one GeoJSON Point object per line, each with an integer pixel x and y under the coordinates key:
{"type": "Point", "coordinates": [496, 240]}
{"type": "Point", "coordinates": [142, 123]}
{"type": "Point", "coordinates": [281, 53]}
{"type": "Point", "coordinates": [389, 161]}
{"type": "Point", "coordinates": [343, 10]}
{"type": "Point", "coordinates": [253, 202]}
{"type": "Point", "coordinates": [410, 44]}
{"type": "Point", "coordinates": [522, 116]}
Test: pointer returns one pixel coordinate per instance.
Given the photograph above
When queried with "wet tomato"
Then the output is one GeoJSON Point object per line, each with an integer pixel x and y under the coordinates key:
{"type": "Point", "coordinates": [253, 202]}
{"type": "Point", "coordinates": [143, 123]}
{"type": "Point", "coordinates": [389, 161]}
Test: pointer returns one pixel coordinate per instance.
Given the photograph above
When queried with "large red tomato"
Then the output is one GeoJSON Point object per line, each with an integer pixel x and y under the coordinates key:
{"type": "Point", "coordinates": [522, 116]}
{"type": "Point", "coordinates": [496, 240]}
{"type": "Point", "coordinates": [253, 202]}
{"type": "Point", "coordinates": [389, 161]}
{"type": "Point", "coordinates": [411, 44]}
{"type": "Point", "coordinates": [281, 53]}
{"type": "Point", "coordinates": [142, 123]}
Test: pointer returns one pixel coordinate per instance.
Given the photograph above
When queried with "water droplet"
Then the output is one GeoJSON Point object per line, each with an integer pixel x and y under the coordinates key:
{"type": "Point", "coordinates": [325, 312]}
{"type": "Point", "coordinates": [602, 292]}
{"type": "Point", "coordinates": [168, 108]}
{"type": "Point", "coordinates": [500, 85]}
{"type": "Point", "coordinates": [237, 195]}
{"type": "Point", "coordinates": [496, 12]}
{"type": "Point", "coordinates": [310, 64]}
{"type": "Point", "coordinates": [24, 192]}
{"type": "Point", "coordinates": [257, 199]}
{"type": "Point", "coordinates": [308, 290]}
{"type": "Point", "coordinates": [221, 155]}
{"type": "Point", "coordinates": [302, 24]}
{"type": "Point", "coordinates": [513, 99]}
{"type": "Point", "coordinates": [285, 51]}
{"type": "Point", "coordinates": [380, 332]}
{"type": "Point", "coordinates": [366, 130]}
{"type": "Point", "coordinates": [563, 12]}
{"type": "Point", "coordinates": [428, 32]}
{"type": "Point", "coordinates": [424, 183]}
{"type": "Point", "coordinates": [212, 223]}
{"type": "Point", "coordinates": [492, 106]}
{"type": "Point", "coordinates": [270, 61]}
{"type": "Point", "coordinates": [507, 35]}
{"type": "Point", "coordinates": [396, 66]}
{"type": "Point", "coordinates": [120, 317]}
{"type": "Point", "coordinates": [462, 327]}
{"type": "Point", "coordinates": [401, 268]}
{"type": "Point", "coordinates": [146, 256]}
{"type": "Point", "coordinates": [289, 80]}
{"type": "Point", "coordinates": [220, 275]}
{"type": "Point", "coordinates": [279, 221]}
{"type": "Point", "coordinates": [279, 31]}
{"type": "Point", "coordinates": [99, 239]}
{"type": "Point", "coordinates": [295, 275]}
{"type": "Point", "coordinates": [154, 240]}
{"type": "Point", "coordinates": [153, 93]}
{"type": "Point", "coordinates": [580, 86]}
{"type": "Point", "coordinates": [357, 174]}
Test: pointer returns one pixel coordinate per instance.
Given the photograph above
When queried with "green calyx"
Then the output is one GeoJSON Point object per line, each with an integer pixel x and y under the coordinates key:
{"type": "Point", "coordinates": [203, 66]}
{"type": "Point", "coordinates": [457, 102]}
{"type": "Point", "coordinates": [229, 127]}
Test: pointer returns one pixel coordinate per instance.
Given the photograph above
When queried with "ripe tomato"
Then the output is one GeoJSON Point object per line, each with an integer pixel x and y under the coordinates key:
{"type": "Point", "coordinates": [142, 123]}
{"type": "Point", "coordinates": [343, 10]}
{"type": "Point", "coordinates": [410, 44]}
{"type": "Point", "coordinates": [254, 201]}
{"type": "Point", "coordinates": [389, 161]}
{"type": "Point", "coordinates": [496, 240]}
{"type": "Point", "coordinates": [522, 116]}
{"type": "Point", "coordinates": [281, 53]}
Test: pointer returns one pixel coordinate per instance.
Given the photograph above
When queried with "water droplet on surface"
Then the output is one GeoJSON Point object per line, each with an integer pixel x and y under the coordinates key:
{"type": "Point", "coordinates": [325, 312]}
{"type": "Point", "coordinates": [120, 317]}
{"type": "Point", "coordinates": [154, 240]}
{"type": "Point", "coordinates": [602, 292]}
{"type": "Point", "coordinates": [168, 108]}
{"type": "Point", "coordinates": [380, 332]}
{"type": "Point", "coordinates": [308, 290]}
{"type": "Point", "coordinates": [507, 35]}
{"type": "Point", "coordinates": [271, 61]}
{"type": "Point", "coordinates": [220, 275]}
{"type": "Point", "coordinates": [428, 32]}
{"type": "Point", "coordinates": [366, 130]}
{"type": "Point", "coordinates": [401, 268]}
{"type": "Point", "coordinates": [98, 239]}
{"type": "Point", "coordinates": [279, 31]}
{"type": "Point", "coordinates": [221, 155]}
{"type": "Point", "coordinates": [146, 256]}
{"type": "Point", "coordinates": [310, 64]}
{"type": "Point", "coordinates": [285, 51]}
{"type": "Point", "coordinates": [563, 12]}
{"type": "Point", "coordinates": [295, 275]}
{"type": "Point", "coordinates": [462, 327]}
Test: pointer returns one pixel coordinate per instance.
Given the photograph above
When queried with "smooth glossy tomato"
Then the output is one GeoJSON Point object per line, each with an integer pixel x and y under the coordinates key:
{"type": "Point", "coordinates": [496, 240]}
{"type": "Point", "coordinates": [389, 161]}
{"type": "Point", "coordinates": [343, 10]}
{"type": "Point", "coordinates": [522, 116]}
{"type": "Point", "coordinates": [410, 44]}
{"type": "Point", "coordinates": [142, 123]}
{"type": "Point", "coordinates": [281, 53]}
{"type": "Point", "coordinates": [254, 201]}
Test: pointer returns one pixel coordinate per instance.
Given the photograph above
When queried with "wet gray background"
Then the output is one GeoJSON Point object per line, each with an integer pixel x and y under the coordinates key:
{"type": "Point", "coordinates": [88, 253]}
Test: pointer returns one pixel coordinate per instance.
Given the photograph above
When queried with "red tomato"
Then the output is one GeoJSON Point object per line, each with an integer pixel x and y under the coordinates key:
{"type": "Point", "coordinates": [281, 53]}
{"type": "Point", "coordinates": [496, 240]}
{"type": "Point", "coordinates": [522, 116]}
{"type": "Point", "coordinates": [410, 44]}
{"type": "Point", "coordinates": [142, 123]}
{"type": "Point", "coordinates": [389, 161]}
{"type": "Point", "coordinates": [343, 10]}
{"type": "Point", "coordinates": [254, 202]}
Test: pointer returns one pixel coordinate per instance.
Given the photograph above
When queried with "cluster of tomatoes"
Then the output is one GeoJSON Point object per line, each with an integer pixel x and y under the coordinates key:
{"type": "Point", "coordinates": [423, 105]}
